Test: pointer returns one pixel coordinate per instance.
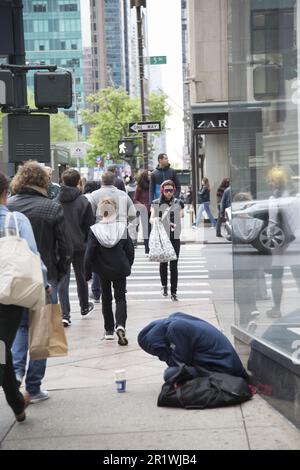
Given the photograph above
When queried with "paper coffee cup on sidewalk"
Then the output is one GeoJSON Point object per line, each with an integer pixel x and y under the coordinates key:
{"type": "Point", "coordinates": [120, 379]}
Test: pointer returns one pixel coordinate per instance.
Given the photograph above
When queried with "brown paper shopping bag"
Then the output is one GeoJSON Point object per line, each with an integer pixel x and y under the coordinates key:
{"type": "Point", "coordinates": [46, 333]}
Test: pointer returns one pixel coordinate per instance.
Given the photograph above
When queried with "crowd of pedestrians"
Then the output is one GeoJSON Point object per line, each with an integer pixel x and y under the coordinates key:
{"type": "Point", "coordinates": [92, 228]}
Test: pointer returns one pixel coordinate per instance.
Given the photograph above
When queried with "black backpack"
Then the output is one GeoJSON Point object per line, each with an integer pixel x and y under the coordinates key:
{"type": "Point", "coordinates": [209, 390]}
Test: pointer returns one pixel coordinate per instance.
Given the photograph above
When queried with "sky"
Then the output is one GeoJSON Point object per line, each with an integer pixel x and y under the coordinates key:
{"type": "Point", "coordinates": [85, 22]}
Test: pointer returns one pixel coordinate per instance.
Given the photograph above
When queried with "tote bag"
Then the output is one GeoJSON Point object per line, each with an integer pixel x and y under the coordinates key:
{"type": "Point", "coordinates": [46, 333]}
{"type": "Point", "coordinates": [160, 247]}
{"type": "Point", "coordinates": [21, 278]}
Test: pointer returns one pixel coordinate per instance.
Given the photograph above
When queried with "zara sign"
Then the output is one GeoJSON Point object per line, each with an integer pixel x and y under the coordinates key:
{"type": "Point", "coordinates": [211, 123]}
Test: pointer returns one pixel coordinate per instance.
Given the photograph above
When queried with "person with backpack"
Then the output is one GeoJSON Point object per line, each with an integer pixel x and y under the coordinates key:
{"type": "Point", "coordinates": [11, 315]}
{"type": "Point", "coordinates": [79, 217]}
{"type": "Point", "coordinates": [142, 205]}
{"type": "Point", "coordinates": [110, 254]}
{"type": "Point", "coordinates": [163, 172]}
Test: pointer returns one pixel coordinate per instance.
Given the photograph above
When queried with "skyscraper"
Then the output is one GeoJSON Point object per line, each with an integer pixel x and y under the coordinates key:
{"type": "Point", "coordinates": [53, 36]}
{"type": "Point", "coordinates": [111, 22]}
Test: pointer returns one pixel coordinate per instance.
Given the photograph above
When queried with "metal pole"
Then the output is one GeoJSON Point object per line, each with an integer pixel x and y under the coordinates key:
{"type": "Point", "coordinates": [141, 70]}
{"type": "Point", "coordinates": [18, 58]}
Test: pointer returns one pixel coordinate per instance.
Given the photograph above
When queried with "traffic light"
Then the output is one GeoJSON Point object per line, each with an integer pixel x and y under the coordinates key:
{"type": "Point", "coordinates": [125, 148]}
{"type": "Point", "coordinates": [53, 89]}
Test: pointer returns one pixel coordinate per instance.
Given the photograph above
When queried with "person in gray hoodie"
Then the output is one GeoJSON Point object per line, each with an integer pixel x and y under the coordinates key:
{"type": "Point", "coordinates": [110, 254]}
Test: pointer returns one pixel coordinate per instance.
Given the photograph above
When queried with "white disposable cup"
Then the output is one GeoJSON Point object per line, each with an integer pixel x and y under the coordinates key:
{"type": "Point", "coordinates": [120, 379]}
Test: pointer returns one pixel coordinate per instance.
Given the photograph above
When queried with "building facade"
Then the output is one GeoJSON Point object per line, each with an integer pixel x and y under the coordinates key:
{"type": "Point", "coordinates": [207, 82]}
{"type": "Point", "coordinates": [244, 89]}
{"type": "Point", "coordinates": [52, 31]}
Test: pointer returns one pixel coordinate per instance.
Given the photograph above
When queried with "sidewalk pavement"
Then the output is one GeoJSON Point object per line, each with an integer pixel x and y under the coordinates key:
{"type": "Point", "coordinates": [86, 412]}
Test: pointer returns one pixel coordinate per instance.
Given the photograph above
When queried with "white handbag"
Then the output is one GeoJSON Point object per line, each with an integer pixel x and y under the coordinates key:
{"type": "Point", "coordinates": [160, 247]}
{"type": "Point", "coordinates": [21, 278]}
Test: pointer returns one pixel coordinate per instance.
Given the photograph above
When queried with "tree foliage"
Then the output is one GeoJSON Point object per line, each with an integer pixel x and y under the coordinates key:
{"type": "Point", "coordinates": [111, 111]}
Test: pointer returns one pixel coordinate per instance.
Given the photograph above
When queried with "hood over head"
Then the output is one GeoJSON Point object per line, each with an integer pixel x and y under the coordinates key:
{"type": "Point", "coordinates": [68, 194]}
{"type": "Point", "coordinates": [152, 339]}
{"type": "Point", "coordinates": [110, 232]}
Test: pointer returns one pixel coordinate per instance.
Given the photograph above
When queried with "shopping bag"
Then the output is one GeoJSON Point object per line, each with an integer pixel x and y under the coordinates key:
{"type": "Point", "coordinates": [46, 333]}
{"type": "Point", "coordinates": [21, 278]}
{"type": "Point", "coordinates": [160, 247]}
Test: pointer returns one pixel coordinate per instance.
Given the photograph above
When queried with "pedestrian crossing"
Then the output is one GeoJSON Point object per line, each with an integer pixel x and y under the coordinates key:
{"type": "Point", "coordinates": [143, 285]}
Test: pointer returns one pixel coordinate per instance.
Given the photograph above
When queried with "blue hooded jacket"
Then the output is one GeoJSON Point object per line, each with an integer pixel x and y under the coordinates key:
{"type": "Point", "coordinates": [184, 339]}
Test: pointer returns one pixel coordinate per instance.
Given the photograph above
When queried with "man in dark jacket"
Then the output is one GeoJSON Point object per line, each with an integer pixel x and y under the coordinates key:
{"type": "Point", "coordinates": [162, 173]}
{"type": "Point", "coordinates": [30, 186]}
{"type": "Point", "coordinates": [79, 217]}
{"type": "Point", "coordinates": [184, 339]}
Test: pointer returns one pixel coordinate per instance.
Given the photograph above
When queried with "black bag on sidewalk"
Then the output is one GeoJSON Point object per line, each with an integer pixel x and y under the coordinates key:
{"type": "Point", "coordinates": [209, 390]}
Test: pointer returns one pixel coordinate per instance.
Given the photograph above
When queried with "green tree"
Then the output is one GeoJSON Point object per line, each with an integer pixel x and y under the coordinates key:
{"type": "Point", "coordinates": [112, 111]}
{"type": "Point", "coordinates": [61, 128]}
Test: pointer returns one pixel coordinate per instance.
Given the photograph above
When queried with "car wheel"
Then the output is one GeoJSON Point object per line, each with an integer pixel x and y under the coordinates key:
{"type": "Point", "coordinates": [266, 243]}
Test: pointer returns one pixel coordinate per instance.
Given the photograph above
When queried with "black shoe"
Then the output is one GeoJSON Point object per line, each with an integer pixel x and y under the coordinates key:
{"type": "Point", "coordinates": [109, 335]}
{"type": "Point", "coordinates": [95, 299]}
{"type": "Point", "coordinates": [66, 321]}
{"type": "Point", "coordinates": [122, 340]}
{"type": "Point", "coordinates": [164, 291]}
{"type": "Point", "coordinates": [174, 297]}
{"type": "Point", "coordinates": [85, 311]}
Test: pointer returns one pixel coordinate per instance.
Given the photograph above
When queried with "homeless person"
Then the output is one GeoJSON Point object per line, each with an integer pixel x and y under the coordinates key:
{"type": "Point", "coordinates": [184, 339]}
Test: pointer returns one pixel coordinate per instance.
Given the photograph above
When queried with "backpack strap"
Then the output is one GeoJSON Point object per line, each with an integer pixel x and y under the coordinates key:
{"type": "Point", "coordinates": [7, 221]}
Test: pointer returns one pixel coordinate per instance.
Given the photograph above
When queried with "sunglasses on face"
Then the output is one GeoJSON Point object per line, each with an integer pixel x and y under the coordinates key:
{"type": "Point", "coordinates": [169, 190]}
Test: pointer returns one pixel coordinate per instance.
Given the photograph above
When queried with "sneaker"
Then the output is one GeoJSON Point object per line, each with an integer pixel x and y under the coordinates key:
{"type": "Point", "coordinates": [251, 327]}
{"type": "Point", "coordinates": [164, 291]}
{"type": "Point", "coordinates": [174, 297]}
{"type": "Point", "coordinates": [85, 311]}
{"type": "Point", "coordinates": [41, 396]}
{"type": "Point", "coordinates": [95, 299]}
{"type": "Point", "coordinates": [146, 255]}
{"type": "Point", "coordinates": [254, 314]}
{"type": "Point", "coordinates": [122, 340]}
{"type": "Point", "coordinates": [109, 335]}
{"type": "Point", "coordinates": [274, 312]}
{"type": "Point", "coordinates": [194, 226]}
{"type": "Point", "coordinates": [19, 380]}
{"type": "Point", "coordinates": [66, 321]}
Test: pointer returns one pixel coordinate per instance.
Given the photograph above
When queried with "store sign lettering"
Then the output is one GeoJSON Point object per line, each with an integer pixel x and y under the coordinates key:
{"type": "Point", "coordinates": [220, 123]}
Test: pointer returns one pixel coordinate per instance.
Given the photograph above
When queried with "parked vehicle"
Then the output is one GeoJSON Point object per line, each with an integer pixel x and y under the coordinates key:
{"type": "Point", "coordinates": [248, 222]}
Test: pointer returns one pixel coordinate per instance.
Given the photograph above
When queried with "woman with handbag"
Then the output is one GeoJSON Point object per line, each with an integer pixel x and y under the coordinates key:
{"type": "Point", "coordinates": [170, 210]}
{"type": "Point", "coordinates": [10, 315]}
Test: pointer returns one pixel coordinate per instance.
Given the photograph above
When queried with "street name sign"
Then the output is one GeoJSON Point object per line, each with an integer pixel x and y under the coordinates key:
{"type": "Point", "coordinates": [158, 60]}
{"type": "Point", "coordinates": [148, 126]}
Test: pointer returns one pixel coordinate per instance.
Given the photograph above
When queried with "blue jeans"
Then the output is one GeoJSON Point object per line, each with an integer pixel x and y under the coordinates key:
{"type": "Point", "coordinates": [205, 207]}
{"type": "Point", "coordinates": [96, 285]}
{"type": "Point", "coordinates": [36, 369]}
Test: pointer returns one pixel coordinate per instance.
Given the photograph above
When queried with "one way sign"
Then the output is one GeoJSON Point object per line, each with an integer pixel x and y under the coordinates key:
{"type": "Point", "coordinates": [148, 126]}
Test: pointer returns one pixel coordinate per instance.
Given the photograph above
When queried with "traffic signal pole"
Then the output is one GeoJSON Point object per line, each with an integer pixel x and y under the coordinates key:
{"type": "Point", "coordinates": [18, 58]}
{"type": "Point", "coordinates": [141, 73]}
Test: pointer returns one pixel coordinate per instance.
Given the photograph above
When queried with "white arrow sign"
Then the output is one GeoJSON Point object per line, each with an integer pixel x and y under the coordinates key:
{"type": "Point", "coordinates": [152, 126]}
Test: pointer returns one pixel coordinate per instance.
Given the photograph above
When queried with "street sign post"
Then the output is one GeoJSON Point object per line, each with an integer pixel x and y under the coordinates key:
{"type": "Point", "coordinates": [147, 126]}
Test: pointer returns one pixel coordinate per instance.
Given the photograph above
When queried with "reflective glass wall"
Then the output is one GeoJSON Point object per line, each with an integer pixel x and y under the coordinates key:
{"type": "Point", "coordinates": [264, 130]}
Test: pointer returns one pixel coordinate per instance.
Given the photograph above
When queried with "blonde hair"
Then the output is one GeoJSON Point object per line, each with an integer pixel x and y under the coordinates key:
{"type": "Point", "coordinates": [107, 207]}
{"type": "Point", "coordinates": [278, 176]}
{"type": "Point", "coordinates": [31, 173]}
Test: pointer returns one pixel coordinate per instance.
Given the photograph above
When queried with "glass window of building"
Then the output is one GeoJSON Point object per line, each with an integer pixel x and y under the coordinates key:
{"type": "Point", "coordinates": [39, 7]}
{"type": "Point", "coordinates": [264, 133]}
